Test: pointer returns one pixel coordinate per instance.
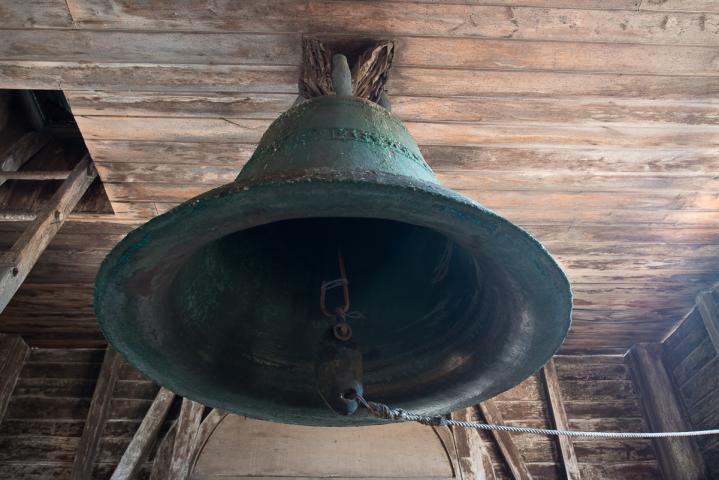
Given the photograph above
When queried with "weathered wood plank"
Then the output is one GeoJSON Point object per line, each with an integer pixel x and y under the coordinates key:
{"type": "Point", "coordinates": [489, 109]}
{"type": "Point", "coordinates": [518, 22]}
{"type": "Point", "coordinates": [35, 14]}
{"type": "Point", "coordinates": [161, 463]}
{"type": "Point", "coordinates": [678, 458]}
{"type": "Point", "coordinates": [512, 455]}
{"type": "Point", "coordinates": [709, 312]}
{"type": "Point", "coordinates": [284, 49]}
{"type": "Point", "coordinates": [230, 130]}
{"type": "Point", "coordinates": [34, 175]}
{"type": "Point", "coordinates": [204, 432]}
{"type": "Point", "coordinates": [559, 415]}
{"type": "Point", "coordinates": [13, 352]}
{"type": "Point", "coordinates": [474, 462]}
{"type": "Point", "coordinates": [147, 76]}
{"type": "Point", "coordinates": [21, 151]}
{"type": "Point", "coordinates": [97, 416]}
{"type": "Point", "coordinates": [403, 81]}
{"type": "Point", "coordinates": [17, 263]}
{"type": "Point", "coordinates": [188, 424]}
{"type": "Point", "coordinates": [144, 438]}
{"type": "Point", "coordinates": [132, 47]}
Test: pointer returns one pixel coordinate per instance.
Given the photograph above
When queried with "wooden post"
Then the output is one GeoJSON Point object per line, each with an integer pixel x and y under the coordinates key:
{"type": "Point", "coordinates": [16, 264]}
{"type": "Point", "coordinates": [13, 352]}
{"type": "Point", "coordinates": [22, 151]}
{"type": "Point", "coordinates": [208, 425]}
{"type": "Point", "coordinates": [96, 417]}
{"type": "Point", "coordinates": [188, 424]}
{"type": "Point", "coordinates": [34, 175]}
{"type": "Point", "coordinates": [559, 414]}
{"type": "Point", "coordinates": [509, 450]}
{"type": "Point", "coordinates": [474, 462]}
{"type": "Point", "coordinates": [678, 457]}
{"type": "Point", "coordinates": [143, 439]}
{"type": "Point", "coordinates": [710, 315]}
{"type": "Point", "coordinates": [161, 464]}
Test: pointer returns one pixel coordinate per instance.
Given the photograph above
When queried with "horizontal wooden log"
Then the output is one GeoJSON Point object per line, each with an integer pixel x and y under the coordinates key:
{"type": "Point", "coordinates": [490, 109]}
{"type": "Point", "coordinates": [284, 49]}
{"type": "Point", "coordinates": [515, 21]}
{"type": "Point", "coordinates": [230, 130]}
{"type": "Point", "coordinates": [520, 22]}
{"type": "Point", "coordinates": [20, 152]}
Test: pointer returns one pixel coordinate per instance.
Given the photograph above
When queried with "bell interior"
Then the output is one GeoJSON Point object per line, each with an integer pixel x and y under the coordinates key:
{"type": "Point", "coordinates": [248, 306]}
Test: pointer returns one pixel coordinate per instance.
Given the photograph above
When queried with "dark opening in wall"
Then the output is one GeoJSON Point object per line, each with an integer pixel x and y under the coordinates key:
{"type": "Point", "coordinates": [38, 133]}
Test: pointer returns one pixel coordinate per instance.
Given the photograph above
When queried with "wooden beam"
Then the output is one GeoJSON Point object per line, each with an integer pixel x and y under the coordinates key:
{"type": "Point", "coordinates": [161, 464]}
{"type": "Point", "coordinates": [34, 175]}
{"type": "Point", "coordinates": [13, 351]}
{"type": "Point", "coordinates": [16, 264]}
{"type": "Point", "coordinates": [22, 151]}
{"type": "Point", "coordinates": [504, 440]}
{"type": "Point", "coordinates": [144, 438]}
{"type": "Point", "coordinates": [678, 457]}
{"type": "Point", "coordinates": [188, 424]}
{"type": "Point", "coordinates": [88, 447]}
{"type": "Point", "coordinates": [559, 414]}
{"type": "Point", "coordinates": [474, 462]}
{"type": "Point", "coordinates": [709, 312]}
{"type": "Point", "coordinates": [208, 425]}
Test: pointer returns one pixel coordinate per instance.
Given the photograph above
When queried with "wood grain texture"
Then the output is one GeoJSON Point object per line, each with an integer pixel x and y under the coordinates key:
{"type": "Point", "coordinates": [709, 311]}
{"type": "Point", "coordinates": [13, 352]}
{"type": "Point", "coordinates": [559, 415]}
{"type": "Point", "coordinates": [97, 416]}
{"type": "Point", "coordinates": [474, 462]}
{"type": "Point", "coordinates": [21, 151]}
{"type": "Point", "coordinates": [678, 458]}
{"type": "Point", "coordinates": [143, 440]}
{"type": "Point", "coordinates": [188, 424]}
{"type": "Point", "coordinates": [510, 452]}
{"type": "Point", "coordinates": [22, 256]}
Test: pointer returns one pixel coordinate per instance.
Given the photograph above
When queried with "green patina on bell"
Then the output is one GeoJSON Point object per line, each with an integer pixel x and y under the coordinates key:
{"type": "Point", "coordinates": [218, 299]}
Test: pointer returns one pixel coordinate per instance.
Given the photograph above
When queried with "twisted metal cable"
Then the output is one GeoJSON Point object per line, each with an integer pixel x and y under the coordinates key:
{"type": "Point", "coordinates": [382, 411]}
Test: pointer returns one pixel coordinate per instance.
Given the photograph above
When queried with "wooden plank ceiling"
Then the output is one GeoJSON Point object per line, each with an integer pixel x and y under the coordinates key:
{"type": "Point", "coordinates": [591, 123]}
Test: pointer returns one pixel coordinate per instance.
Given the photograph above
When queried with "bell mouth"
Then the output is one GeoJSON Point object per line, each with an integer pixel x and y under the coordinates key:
{"type": "Point", "coordinates": [218, 299]}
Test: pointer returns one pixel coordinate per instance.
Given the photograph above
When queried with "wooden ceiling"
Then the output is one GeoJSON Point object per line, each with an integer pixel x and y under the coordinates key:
{"type": "Point", "coordinates": [594, 124]}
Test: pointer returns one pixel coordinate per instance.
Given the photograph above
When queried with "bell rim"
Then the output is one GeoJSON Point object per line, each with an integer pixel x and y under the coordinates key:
{"type": "Point", "coordinates": [353, 182]}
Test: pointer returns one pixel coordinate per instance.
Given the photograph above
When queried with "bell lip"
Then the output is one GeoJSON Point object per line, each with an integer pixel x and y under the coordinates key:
{"type": "Point", "coordinates": [354, 181]}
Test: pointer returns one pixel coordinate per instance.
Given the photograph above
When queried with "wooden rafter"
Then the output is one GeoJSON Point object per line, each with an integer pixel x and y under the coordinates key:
{"type": "Point", "coordinates": [187, 427]}
{"type": "Point", "coordinates": [16, 264]}
{"type": "Point", "coordinates": [13, 352]}
{"type": "Point", "coordinates": [678, 457]}
{"type": "Point", "coordinates": [144, 438]}
{"type": "Point", "coordinates": [709, 312]}
{"type": "Point", "coordinates": [559, 415]}
{"type": "Point", "coordinates": [21, 151]}
{"type": "Point", "coordinates": [474, 462]}
{"type": "Point", "coordinates": [88, 446]}
{"type": "Point", "coordinates": [161, 464]}
{"type": "Point", "coordinates": [506, 444]}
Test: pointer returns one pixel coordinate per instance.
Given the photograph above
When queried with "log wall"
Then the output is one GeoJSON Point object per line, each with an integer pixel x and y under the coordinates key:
{"type": "Point", "coordinates": [692, 361]}
{"type": "Point", "coordinates": [46, 415]}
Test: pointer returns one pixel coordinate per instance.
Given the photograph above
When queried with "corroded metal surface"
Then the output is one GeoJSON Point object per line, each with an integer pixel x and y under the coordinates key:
{"type": "Point", "coordinates": [217, 299]}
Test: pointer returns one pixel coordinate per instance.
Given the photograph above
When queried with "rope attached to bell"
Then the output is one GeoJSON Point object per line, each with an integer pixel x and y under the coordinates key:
{"type": "Point", "coordinates": [382, 411]}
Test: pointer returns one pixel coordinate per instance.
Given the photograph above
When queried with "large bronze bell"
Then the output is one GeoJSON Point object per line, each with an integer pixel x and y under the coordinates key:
{"type": "Point", "coordinates": [335, 264]}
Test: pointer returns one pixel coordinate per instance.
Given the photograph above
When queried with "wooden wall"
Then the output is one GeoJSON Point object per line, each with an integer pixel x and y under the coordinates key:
{"type": "Point", "coordinates": [691, 359]}
{"type": "Point", "coordinates": [48, 408]}
{"type": "Point", "coordinates": [44, 421]}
